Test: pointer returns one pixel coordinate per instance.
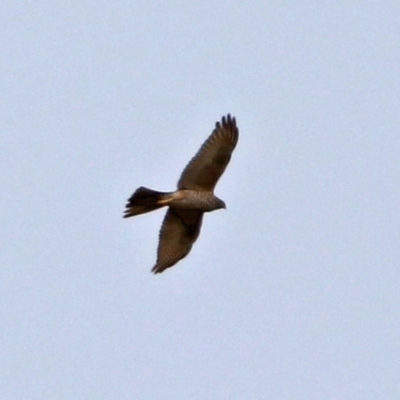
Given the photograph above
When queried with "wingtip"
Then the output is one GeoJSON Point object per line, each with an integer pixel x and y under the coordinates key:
{"type": "Point", "coordinates": [227, 119]}
{"type": "Point", "coordinates": [155, 270]}
{"type": "Point", "coordinates": [229, 123]}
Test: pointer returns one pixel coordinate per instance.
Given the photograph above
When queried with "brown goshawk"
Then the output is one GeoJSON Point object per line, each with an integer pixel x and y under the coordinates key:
{"type": "Point", "coordinates": [193, 197]}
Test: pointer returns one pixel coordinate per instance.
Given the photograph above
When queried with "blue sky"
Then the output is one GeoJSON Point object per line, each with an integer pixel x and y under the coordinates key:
{"type": "Point", "coordinates": [292, 292]}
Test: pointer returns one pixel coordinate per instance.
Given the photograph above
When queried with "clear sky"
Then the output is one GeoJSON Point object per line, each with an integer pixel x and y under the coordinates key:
{"type": "Point", "coordinates": [291, 293]}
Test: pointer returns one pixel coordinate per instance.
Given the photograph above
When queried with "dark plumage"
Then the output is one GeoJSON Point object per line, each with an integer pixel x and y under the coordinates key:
{"type": "Point", "coordinates": [195, 196]}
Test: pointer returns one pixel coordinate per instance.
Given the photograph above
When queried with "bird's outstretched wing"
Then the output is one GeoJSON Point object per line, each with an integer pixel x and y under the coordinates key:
{"type": "Point", "coordinates": [207, 166]}
{"type": "Point", "coordinates": [179, 231]}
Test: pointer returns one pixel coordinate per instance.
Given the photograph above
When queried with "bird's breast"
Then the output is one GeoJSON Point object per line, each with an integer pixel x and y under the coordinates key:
{"type": "Point", "coordinates": [186, 199]}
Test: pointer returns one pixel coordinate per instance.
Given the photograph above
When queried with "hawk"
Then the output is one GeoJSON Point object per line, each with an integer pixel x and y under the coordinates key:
{"type": "Point", "coordinates": [193, 197]}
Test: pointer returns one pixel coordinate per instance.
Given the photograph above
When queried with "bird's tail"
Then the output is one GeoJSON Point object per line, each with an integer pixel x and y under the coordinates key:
{"type": "Point", "coordinates": [145, 200]}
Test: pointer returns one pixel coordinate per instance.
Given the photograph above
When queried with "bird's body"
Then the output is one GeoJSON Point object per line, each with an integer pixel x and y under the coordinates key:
{"type": "Point", "coordinates": [145, 200]}
{"type": "Point", "coordinates": [194, 196]}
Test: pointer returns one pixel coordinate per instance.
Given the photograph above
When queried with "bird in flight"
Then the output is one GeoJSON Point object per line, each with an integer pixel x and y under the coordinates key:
{"type": "Point", "coordinates": [193, 197]}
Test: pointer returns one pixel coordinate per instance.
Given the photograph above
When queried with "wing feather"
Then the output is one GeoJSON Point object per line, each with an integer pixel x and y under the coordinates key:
{"type": "Point", "coordinates": [179, 230]}
{"type": "Point", "coordinates": [209, 163]}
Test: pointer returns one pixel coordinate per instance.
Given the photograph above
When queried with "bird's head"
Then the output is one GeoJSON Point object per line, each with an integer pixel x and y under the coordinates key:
{"type": "Point", "coordinates": [220, 204]}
